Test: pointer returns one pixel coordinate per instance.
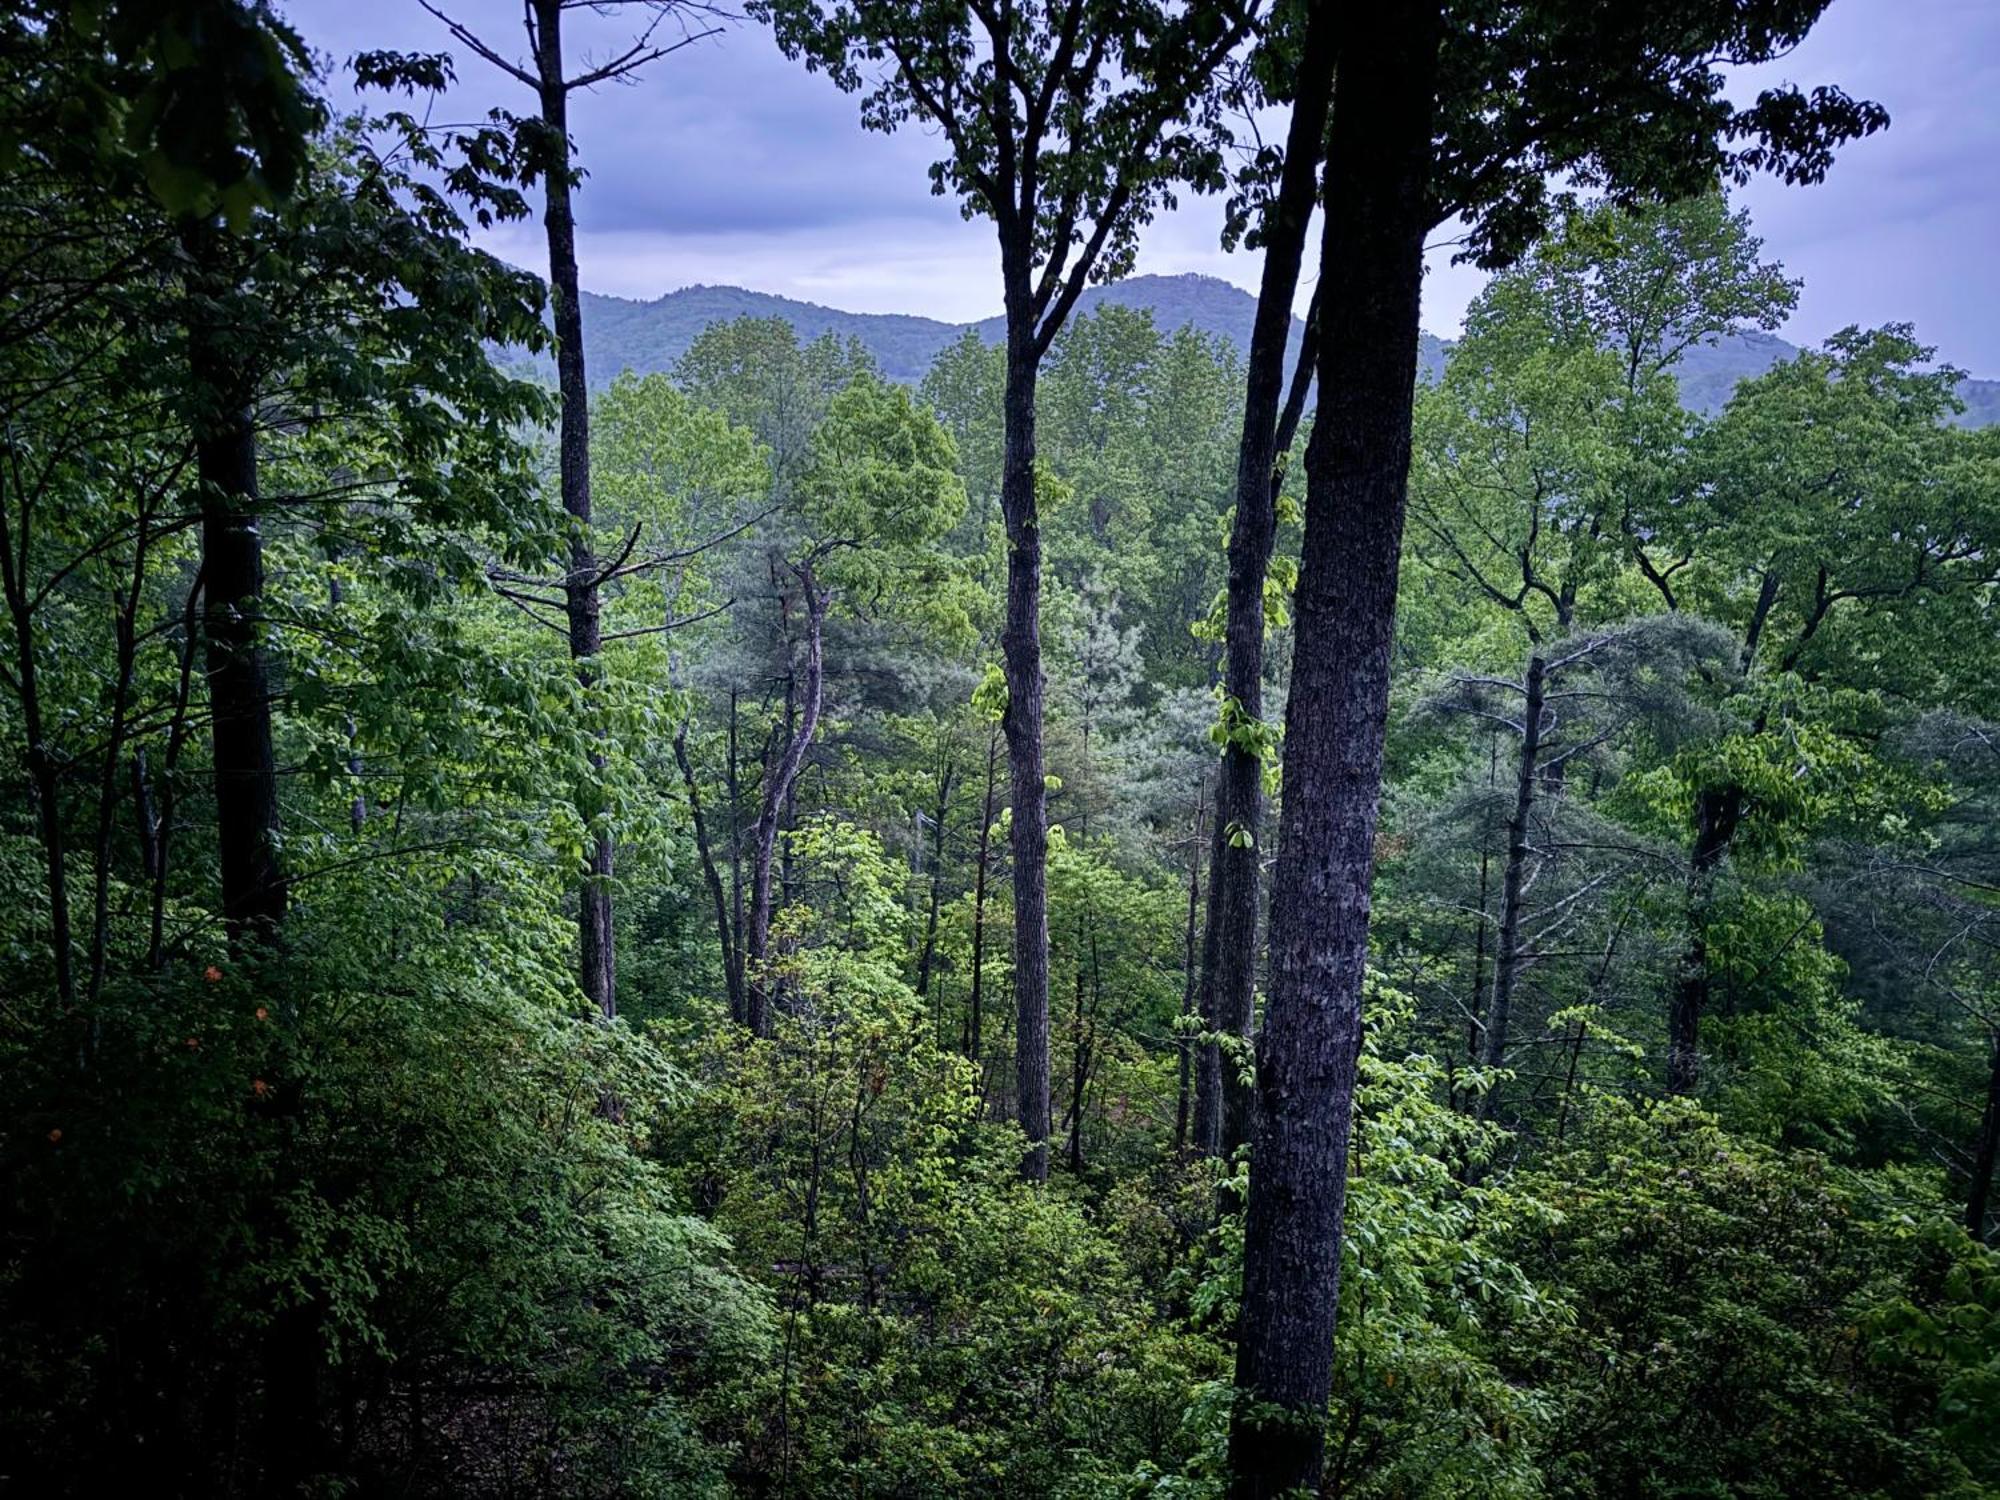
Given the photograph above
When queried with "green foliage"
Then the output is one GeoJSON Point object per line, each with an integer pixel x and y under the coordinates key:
{"type": "Point", "coordinates": [1718, 1299]}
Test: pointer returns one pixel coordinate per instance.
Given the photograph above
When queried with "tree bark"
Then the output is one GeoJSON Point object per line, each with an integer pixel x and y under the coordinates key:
{"type": "Point", "coordinates": [1229, 946]}
{"type": "Point", "coordinates": [239, 692]}
{"type": "Point", "coordinates": [1021, 650]}
{"type": "Point", "coordinates": [1514, 879]}
{"type": "Point", "coordinates": [777, 791]}
{"type": "Point", "coordinates": [596, 956]}
{"type": "Point", "coordinates": [1357, 468]}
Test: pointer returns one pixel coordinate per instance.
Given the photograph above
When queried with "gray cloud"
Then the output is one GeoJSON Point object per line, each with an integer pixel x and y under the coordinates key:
{"type": "Point", "coordinates": [729, 164]}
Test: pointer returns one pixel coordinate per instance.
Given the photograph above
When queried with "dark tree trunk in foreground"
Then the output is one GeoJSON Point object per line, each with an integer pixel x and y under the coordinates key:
{"type": "Point", "coordinates": [596, 966]}
{"type": "Point", "coordinates": [1021, 650]}
{"type": "Point", "coordinates": [1514, 879]}
{"type": "Point", "coordinates": [777, 794]}
{"type": "Point", "coordinates": [1717, 811]}
{"type": "Point", "coordinates": [239, 687]}
{"type": "Point", "coordinates": [254, 893]}
{"type": "Point", "coordinates": [1229, 946]}
{"type": "Point", "coordinates": [1357, 468]}
{"type": "Point", "coordinates": [1977, 1199]}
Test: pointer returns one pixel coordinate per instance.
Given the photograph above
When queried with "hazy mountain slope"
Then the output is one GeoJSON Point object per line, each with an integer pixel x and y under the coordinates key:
{"type": "Point", "coordinates": [651, 336]}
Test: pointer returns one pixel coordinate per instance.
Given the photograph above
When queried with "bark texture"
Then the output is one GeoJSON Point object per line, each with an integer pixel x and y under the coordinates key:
{"type": "Point", "coordinates": [1357, 467]}
{"type": "Point", "coordinates": [1021, 652]}
{"type": "Point", "coordinates": [1229, 945]}
{"type": "Point", "coordinates": [239, 679]}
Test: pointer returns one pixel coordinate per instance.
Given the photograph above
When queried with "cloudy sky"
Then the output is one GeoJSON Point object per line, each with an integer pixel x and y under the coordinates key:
{"type": "Point", "coordinates": [726, 164]}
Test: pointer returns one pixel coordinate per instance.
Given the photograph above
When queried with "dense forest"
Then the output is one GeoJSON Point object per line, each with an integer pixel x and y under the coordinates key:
{"type": "Point", "coordinates": [1139, 914]}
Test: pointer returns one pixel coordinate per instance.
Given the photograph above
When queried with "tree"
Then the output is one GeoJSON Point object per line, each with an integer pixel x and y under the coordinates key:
{"type": "Point", "coordinates": [879, 485]}
{"type": "Point", "coordinates": [542, 151]}
{"type": "Point", "coordinates": [1434, 114]}
{"type": "Point", "coordinates": [1066, 124]}
{"type": "Point", "coordinates": [1229, 942]}
{"type": "Point", "coordinates": [1836, 501]}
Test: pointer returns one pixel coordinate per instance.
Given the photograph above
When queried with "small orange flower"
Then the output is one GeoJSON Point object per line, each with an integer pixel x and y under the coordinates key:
{"type": "Point", "coordinates": [263, 1014]}
{"type": "Point", "coordinates": [212, 974]}
{"type": "Point", "coordinates": [259, 1087]}
{"type": "Point", "coordinates": [55, 1137]}
{"type": "Point", "coordinates": [194, 1044]}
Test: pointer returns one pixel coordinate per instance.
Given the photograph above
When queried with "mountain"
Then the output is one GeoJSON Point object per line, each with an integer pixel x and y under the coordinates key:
{"type": "Point", "coordinates": [623, 334]}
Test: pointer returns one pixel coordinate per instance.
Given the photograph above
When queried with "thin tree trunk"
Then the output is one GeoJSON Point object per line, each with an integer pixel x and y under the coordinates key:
{"type": "Point", "coordinates": [1717, 812]}
{"type": "Point", "coordinates": [1979, 1196]}
{"type": "Point", "coordinates": [1474, 1024]}
{"type": "Point", "coordinates": [735, 842]}
{"type": "Point", "coordinates": [732, 966]}
{"type": "Point", "coordinates": [1079, 1074]}
{"type": "Point", "coordinates": [1357, 467]}
{"type": "Point", "coordinates": [777, 793]}
{"type": "Point", "coordinates": [975, 1019]}
{"type": "Point", "coordinates": [1229, 950]}
{"type": "Point", "coordinates": [169, 801]}
{"type": "Point", "coordinates": [1021, 648]}
{"type": "Point", "coordinates": [929, 952]}
{"type": "Point", "coordinates": [596, 955]}
{"type": "Point", "coordinates": [1514, 880]}
{"type": "Point", "coordinates": [1190, 975]}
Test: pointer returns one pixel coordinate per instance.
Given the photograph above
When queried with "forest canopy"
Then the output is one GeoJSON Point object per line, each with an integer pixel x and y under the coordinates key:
{"type": "Point", "coordinates": [1142, 914]}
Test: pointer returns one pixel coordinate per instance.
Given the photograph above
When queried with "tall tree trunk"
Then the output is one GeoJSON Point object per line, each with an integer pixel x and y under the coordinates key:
{"type": "Point", "coordinates": [732, 959]}
{"type": "Point", "coordinates": [975, 1018]}
{"type": "Point", "coordinates": [735, 842]}
{"type": "Point", "coordinates": [239, 690]}
{"type": "Point", "coordinates": [1514, 879]}
{"type": "Point", "coordinates": [777, 794]}
{"type": "Point", "coordinates": [1717, 811]}
{"type": "Point", "coordinates": [163, 821]}
{"type": "Point", "coordinates": [1979, 1195]}
{"type": "Point", "coordinates": [254, 892]}
{"type": "Point", "coordinates": [1229, 948]}
{"type": "Point", "coordinates": [1357, 468]}
{"type": "Point", "coordinates": [928, 954]}
{"type": "Point", "coordinates": [1021, 649]}
{"type": "Point", "coordinates": [596, 955]}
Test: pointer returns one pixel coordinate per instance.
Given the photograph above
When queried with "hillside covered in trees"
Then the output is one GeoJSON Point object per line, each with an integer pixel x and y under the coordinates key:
{"type": "Point", "coordinates": [1103, 905]}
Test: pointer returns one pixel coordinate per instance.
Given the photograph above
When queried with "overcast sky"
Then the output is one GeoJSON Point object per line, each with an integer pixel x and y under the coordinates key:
{"type": "Point", "coordinates": [726, 164]}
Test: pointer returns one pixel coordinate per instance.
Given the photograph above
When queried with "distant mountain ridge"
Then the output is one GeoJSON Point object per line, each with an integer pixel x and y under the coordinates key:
{"type": "Point", "coordinates": [647, 337]}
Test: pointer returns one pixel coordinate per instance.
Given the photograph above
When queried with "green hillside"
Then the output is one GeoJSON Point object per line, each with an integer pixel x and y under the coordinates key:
{"type": "Point", "coordinates": [624, 334]}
